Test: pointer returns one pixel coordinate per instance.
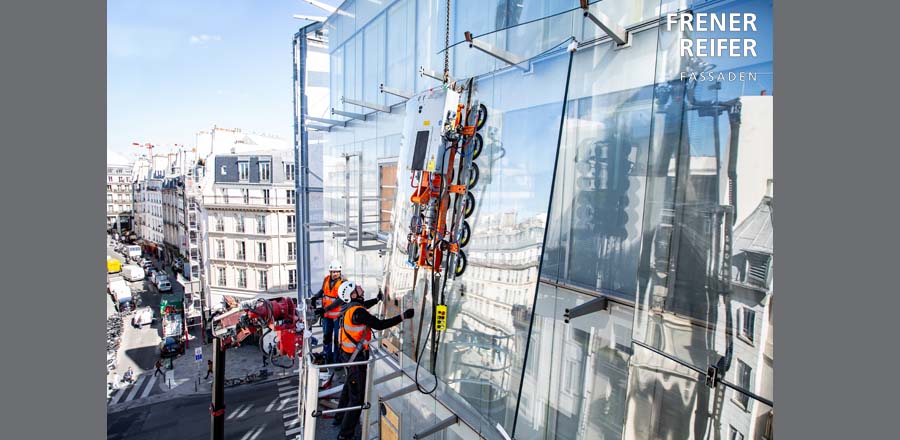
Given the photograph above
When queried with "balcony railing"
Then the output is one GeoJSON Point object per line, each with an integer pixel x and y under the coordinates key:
{"type": "Point", "coordinates": [274, 200]}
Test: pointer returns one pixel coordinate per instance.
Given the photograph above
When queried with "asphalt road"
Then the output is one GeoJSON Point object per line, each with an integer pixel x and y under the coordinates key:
{"type": "Point", "coordinates": [140, 347]}
{"type": "Point", "coordinates": [251, 414]}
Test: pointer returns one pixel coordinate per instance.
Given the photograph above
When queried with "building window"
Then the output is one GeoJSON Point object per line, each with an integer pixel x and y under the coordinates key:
{"type": "Point", "coordinates": [220, 225]}
{"type": "Point", "coordinates": [222, 277]}
{"type": "Point", "coordinates": [292, 278]}
{"type": "Point", "coordinates": [263, 280]}
{"type": "Point", "coordinates": [242, 278]}
{"type": "Point", "coordinates": [261, 224]}
{"type": "Point", "coordinates": [291, 194]}
{"type": "Point", "coordinates": [239, 227]}
{"type": "Point", "coordinates": [748, 323]}
{"type": "Point", "coordinates": [291, 225]}
{"type": "Point", "coordinates": [292, 251]}
{"type": "Point", "coordinates": [289, 171]}
{"type": "Point", "coordinates": [240, 250]}
{"type": "Point", "coordinates": [758, 269]}
{"type": "Point", "coordinates": [246, 194]}
{"type": "Point", "coordinates": [261, 251]}
{"type": "Point", "coordinates": [734, 434]}
{"type": "Point", "coordinates": [743, 373]}
{"type": "Point", "coordinates": [243, 171]}
{"type": "Point", "coordinates": [220, 248]}
{"type": "Point", "coordinates": [265, 171]}
{"type": "Point", "coordinates": [224, 196]}
{"type": "Point", "coordinates": [387, 181]}
{"type": "Point", "coordinates": [265, 197]}
{"type": "Point", "coordinates": [109, 198]}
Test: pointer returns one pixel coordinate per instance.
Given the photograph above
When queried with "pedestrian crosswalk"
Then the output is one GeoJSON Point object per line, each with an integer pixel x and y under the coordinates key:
{"type": "Point", "coordinates": [287, 403]}
{"type": "Point", "coordinates": [145, 386]}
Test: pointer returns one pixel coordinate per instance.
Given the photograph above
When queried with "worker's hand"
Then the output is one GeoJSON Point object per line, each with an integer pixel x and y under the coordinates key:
{"type": "Point", "coordinates": [409, 313]}
{"type": "Point", "coordinates": [380, 297]}
{"type": "Point", "coordinates": [319, 312]}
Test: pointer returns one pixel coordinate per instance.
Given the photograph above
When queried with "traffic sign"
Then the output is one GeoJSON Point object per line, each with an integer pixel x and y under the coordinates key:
{"type": "Point", "coordinates": [198, 354]}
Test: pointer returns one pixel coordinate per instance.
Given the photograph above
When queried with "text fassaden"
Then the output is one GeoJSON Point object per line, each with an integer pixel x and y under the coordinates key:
{"type": "Point", "coordinates": [714, 22]}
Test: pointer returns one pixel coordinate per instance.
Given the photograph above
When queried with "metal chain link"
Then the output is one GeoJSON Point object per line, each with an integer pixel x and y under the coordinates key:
{"type": "Point", "coordinates": [447, 46]}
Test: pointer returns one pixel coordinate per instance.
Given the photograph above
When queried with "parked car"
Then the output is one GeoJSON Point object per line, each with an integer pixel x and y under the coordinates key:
{"type": "Point", "coordinates": [171, 347]}
{"type": "Point", "coordinates": [142, 316]}
{"type": "Point", "coordinates": [132, 273]}
{"type": "Point", "coordinates": [162, 282]}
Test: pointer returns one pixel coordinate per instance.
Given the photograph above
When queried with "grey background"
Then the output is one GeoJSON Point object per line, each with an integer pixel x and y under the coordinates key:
{"type": "Point", "coordinates": [53, 125]}
{"type": "Point", "coordinates": [836, 157]}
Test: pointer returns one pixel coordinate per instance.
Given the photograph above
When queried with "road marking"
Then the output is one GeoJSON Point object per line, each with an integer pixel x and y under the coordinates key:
{"type": "Point", "coordinates": [284, 382]}
{"type": "Point", "coordinates": [288, 415]}
{"type": "Point", "coordinates": [258, 432]}
{"type": "Point", "coordinates": [120, 393]}
{"type": "Point", "coordinates": [244, 412]}
{"type": "Point", "coordinates": [235, 412]}
{"type": "Point", "coordinates": [288, 393]}
{"type": "Point", "coordinates": [272, 404]}
{"type": "Point", "coordinates": [134, 389]}
{"type": "Point", "coordinates": [293, 431]}
{"type": "Point", "coordinates": [291, 423]}
{"type": "Point", "coordinates": [149, 387]}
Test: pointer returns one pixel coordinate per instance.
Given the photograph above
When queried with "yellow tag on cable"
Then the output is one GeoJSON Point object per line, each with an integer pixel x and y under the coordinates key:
{"type": "Point", "coordinates": [440, 317]}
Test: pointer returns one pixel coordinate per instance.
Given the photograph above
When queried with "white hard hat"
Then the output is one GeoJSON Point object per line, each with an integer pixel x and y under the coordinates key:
{"type": "Point", "coordinates": [345, 290]}
{"type": "Point", "coordinates": [335, 266]}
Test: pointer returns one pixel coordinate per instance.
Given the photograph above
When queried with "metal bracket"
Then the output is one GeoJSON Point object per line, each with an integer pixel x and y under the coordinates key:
{"type": "Point", "coordinates": [439, 426]}
{"type": "Point", "coordinates": [500, 54]}
{"type": "Point", "coordinates": [326, 120]}
{"type": "Point", "coordinates": [616, 32]}
{"type": "Point", "coordinates": [405, 390]}
{"type": "Point", "coordinates": [594, 305]}
{"type": "Point", "coordinates": [369, 105]}
{"type": "Point", "coordinates": [712, 376]}
{"type": "Point", "coordinates": [317, 18]}
{"type": "Point", "coordinates": [433, 75]}
{"type": "Point", "coordinates": [350, 115]}
{"type": "Point", "coordinates": [318, 127]}
{"type": "Point", "coordinates": [389, 376]}
{"type": "Point", "coordinates": [395, 92]}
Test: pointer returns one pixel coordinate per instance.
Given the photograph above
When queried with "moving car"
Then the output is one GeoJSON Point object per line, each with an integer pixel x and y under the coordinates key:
{"type": "Point", "coordinates": [113, 265]}
{"type": "Point", "coordinates": [171, 347]}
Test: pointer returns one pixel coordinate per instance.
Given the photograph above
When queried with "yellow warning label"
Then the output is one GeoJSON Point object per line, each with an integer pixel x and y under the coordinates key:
{"type": "Point", "coordinates": [440, 317]}
{"type": "Point", "coordinates": [431, 164]}
{"type": "Point", "coordinates": [426, 123]}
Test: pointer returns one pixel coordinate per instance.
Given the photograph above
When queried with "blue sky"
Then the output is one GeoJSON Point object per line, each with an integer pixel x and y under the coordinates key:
{"type": "Point", "coordinates": [175, 67]}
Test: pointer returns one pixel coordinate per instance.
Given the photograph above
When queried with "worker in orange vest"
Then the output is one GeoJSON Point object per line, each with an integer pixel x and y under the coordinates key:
{"type": "Point", "coordinates": [331, 309]}
{"type": "Point", "coordinates": [356, 330]}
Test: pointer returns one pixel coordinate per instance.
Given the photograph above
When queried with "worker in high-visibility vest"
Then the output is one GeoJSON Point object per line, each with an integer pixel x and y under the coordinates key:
{"type": "Point", "coordinates": [330, 310]}
{"type": "Point", "coordinates": [356, 331]}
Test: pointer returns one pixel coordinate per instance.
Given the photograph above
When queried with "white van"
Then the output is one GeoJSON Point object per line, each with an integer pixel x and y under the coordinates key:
{"type": "Point", "coordinates": [133, 252]}
{"type": "Point", "coordinates": [132, 273]}
{"type": "Point", "coordinates": [163, 284]}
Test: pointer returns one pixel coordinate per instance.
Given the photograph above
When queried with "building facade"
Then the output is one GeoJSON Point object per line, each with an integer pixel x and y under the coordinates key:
{"type": "Point", "coordinates": [624, 180]}
{"type": "Point", "coordinates": [248, 210]}
{"type": "Point", "coordinates": [118, 193]}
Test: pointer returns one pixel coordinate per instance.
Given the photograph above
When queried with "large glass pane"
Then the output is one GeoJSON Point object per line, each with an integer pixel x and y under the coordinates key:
{"type": "Point", "coordinates": [373, 60]}
{"type": "Point", "coordinates": [669, 401]}
{"type": "Point", "coordinates": [705, 275]}
{"type": "Point", "coordinates": [594, 232]}
{"type": "Point", "coordinates": [481, 354]}
{"type": "Point", "coordinates": [576, 372]}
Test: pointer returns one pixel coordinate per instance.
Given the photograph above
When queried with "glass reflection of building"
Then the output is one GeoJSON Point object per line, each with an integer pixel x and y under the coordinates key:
{"type": "Point", "coordinates": [661, 201]}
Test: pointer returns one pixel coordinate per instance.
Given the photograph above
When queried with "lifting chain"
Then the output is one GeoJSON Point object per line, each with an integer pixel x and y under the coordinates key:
{"type": "Point", "coordinates": [447, 46]}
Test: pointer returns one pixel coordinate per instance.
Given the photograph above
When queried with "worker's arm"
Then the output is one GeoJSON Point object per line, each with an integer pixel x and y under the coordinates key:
{"type": "Point", "coordinates": [362, 316]}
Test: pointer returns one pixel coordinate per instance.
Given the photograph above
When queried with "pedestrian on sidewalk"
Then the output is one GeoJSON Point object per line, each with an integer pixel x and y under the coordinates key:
{"type": "Point", "coordinates": [158, 368]}
{"type": "Point", "coordinates": [208, 368]}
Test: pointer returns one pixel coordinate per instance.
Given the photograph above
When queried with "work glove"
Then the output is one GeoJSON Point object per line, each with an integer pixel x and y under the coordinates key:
{"type": "Point", "coordinates": [319, 312]}
{"type": "Point", "coordinates": [408, 313]}
{"type": "Point", "coordinates": [380, 297]}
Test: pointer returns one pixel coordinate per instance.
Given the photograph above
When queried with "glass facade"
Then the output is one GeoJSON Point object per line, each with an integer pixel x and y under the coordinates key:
{"type": "Point", "coordinates": [637, 174]}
